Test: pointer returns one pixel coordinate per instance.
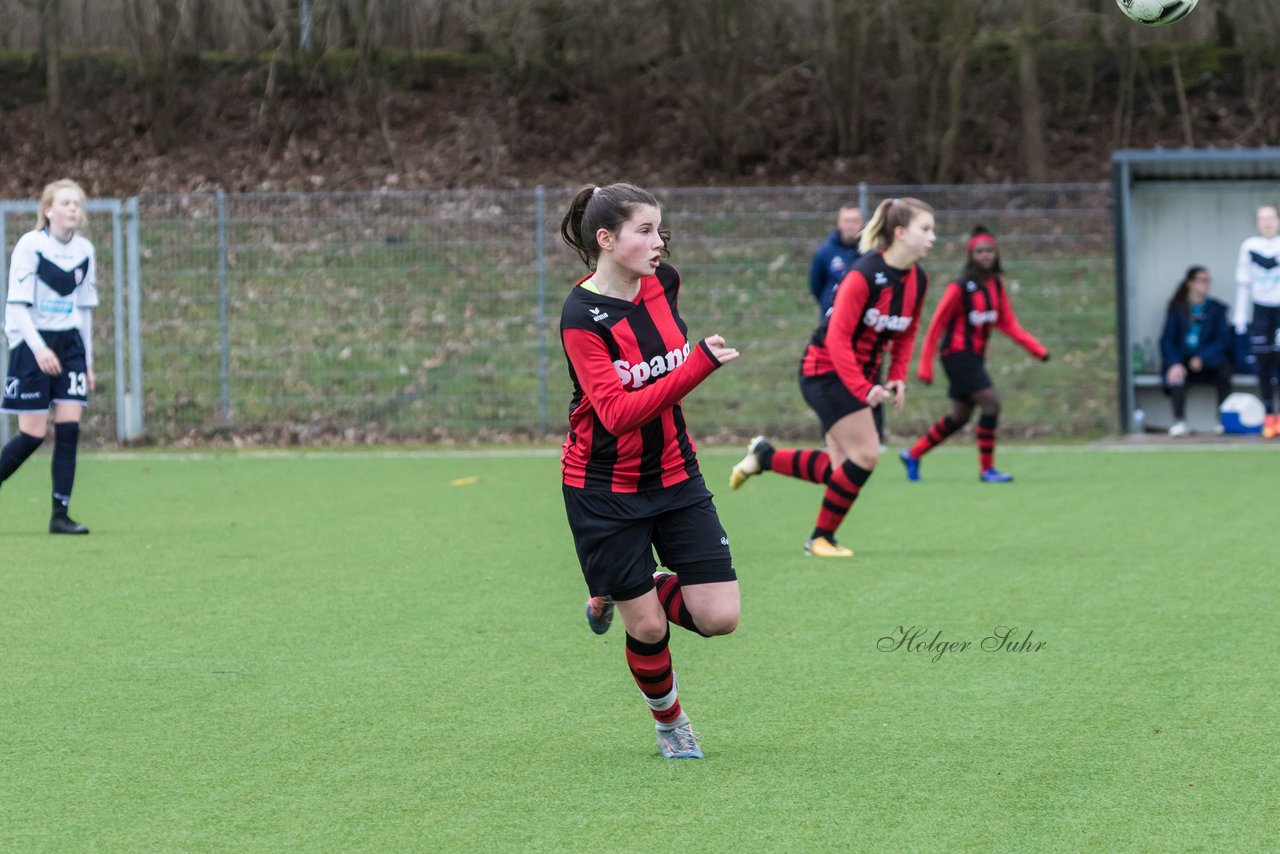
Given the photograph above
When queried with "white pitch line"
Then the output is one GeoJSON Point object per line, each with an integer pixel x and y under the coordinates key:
{"type": "Point", "coordinates": [497, 453]}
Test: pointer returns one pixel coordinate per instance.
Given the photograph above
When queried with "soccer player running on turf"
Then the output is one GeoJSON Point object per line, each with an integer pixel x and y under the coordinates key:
{"type": "Point", "coordinates": [877, 309]}
{"type": "Point", "coordinates": [49, 324]}
{"type": "Point", "coordinates": [971, 306]}
{"type": "Point", "coordinates": [630, 474]}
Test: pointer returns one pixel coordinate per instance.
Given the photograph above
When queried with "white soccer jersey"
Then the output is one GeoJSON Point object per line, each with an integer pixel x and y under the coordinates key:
{"type": "Point", "coordinates": [1257, 276]}
{"type": "Point", "coordinates": [56, 279]}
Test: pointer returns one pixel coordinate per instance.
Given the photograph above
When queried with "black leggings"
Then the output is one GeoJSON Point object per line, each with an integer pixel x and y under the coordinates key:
{"type": "Point", "coordinates": [1219, 377]}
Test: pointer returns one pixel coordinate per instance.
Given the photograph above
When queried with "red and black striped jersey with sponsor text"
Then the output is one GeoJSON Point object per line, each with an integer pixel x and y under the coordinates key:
{"type": "Point", "coordinates": [631, 363]}
{"type": "Point", "coordinates": [965, 316]}
{"type": "Point", "coordinates": [877, 308]}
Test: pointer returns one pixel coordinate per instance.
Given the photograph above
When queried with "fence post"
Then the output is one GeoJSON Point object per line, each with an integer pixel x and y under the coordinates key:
{"type": "Point", "coordinates": [137, 427]}
{"type": "Point", "coordinates": [117, 264]}
{"type": "Point", "coordinates": [224, 364]}
{"type": "Point", "coordinates": [540, 215]}
{"type": "Point", "coordinates": [862, 197]}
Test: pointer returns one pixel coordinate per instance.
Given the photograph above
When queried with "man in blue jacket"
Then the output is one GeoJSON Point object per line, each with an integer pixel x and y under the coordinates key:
{"type": "Point", "coordinates": [835, 257]}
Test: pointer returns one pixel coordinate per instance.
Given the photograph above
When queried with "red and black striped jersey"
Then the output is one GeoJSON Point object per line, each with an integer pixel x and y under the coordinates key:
{"type": "Point", "coordinates": [877, 307]}
{"type": "Point", "coordinates": [963, 319]}
{"type": "Point", "coordinates": [630, 362]}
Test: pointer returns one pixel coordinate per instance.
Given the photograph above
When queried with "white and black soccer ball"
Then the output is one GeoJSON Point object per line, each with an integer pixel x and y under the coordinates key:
{"type": "Point", "coordinates": [1156, 13]}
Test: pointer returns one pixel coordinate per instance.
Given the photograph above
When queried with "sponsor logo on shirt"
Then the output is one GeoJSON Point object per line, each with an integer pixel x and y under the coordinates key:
{"type": "Point", "coordinates": [638, 374]}
{"type": "Point", "coordinates": [880, 322]}
{"type": "Point", "coordinates": [53, 305]}
{"type": "Point", "coordinates": [979, 318]}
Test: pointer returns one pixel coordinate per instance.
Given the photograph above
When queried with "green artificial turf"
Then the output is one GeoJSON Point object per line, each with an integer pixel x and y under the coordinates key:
{"type": "Point", "coordinates": [387, 652]}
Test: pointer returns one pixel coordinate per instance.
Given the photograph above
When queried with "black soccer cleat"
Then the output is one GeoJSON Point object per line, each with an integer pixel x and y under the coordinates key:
{"type": "Point", "coordinates": [66, 525]}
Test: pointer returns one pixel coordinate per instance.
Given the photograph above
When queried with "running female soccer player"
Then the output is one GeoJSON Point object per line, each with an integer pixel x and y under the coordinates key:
{"type": "Point", "coordinates": [877, 308]}
{"type": "Point", "coordinates": [49, 324]}
{"type": "Point", "coordinates": [971, 306]}
{"type": "Point", "coordinates": [630, 475]}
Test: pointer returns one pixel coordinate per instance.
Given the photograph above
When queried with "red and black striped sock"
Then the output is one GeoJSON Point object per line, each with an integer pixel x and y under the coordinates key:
{"type": "Point", "coordinates": [650, 665]}
{"type": "Point", "coordinates": [987, 441]}
{"type": "Point", "coordinates": [937, 434]}
{"type": "Point", "coordinates": [842, 490]}
{"type": "Point", "coordinates": [672, 599]}
{"type": "Point", "coordinates": [813, 466]}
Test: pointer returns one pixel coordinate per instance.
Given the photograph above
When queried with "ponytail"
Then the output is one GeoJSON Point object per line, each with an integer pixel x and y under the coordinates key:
{"type": "Point", "coordinates": [889, 215]}
{"type": "Point", "coordinates": [594, 208]}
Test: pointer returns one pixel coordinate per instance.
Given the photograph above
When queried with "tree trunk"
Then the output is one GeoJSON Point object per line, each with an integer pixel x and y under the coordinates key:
{"type": "Point", "coordinates": [846, 23]}
{"type": "Point", "coordinates": [1122, 121]}
{"type": "Point", "coordinates": [1034, 156]}
{"type": "Point", "coordinates": [957, 85]}
{"type": "Point", "coordinates": [164, 83]}
{"type": "Point", "coordinates": [1180, 89]}
{"type": "Point", "coordinates": [51, 41]}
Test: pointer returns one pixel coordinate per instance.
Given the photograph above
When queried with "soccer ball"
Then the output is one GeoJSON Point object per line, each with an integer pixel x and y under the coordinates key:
{"type": "Point", "coordinates": [1156, 13]}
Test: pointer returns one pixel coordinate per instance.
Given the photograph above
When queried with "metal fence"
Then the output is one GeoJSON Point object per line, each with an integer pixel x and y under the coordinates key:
{"type": "Point", "coordinates": [366, 317]}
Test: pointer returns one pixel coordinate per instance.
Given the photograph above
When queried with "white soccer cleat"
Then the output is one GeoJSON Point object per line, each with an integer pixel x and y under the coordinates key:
{"type": "Point", "coordinates": [1179, 429]}
{"type": "Point", "coordinates": [749, 465]}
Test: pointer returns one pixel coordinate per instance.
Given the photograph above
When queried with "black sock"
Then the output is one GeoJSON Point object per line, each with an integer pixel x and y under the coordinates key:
{"type": "Point", "coordinates": [16, 451]}
{"type": "Point", "coordinates": [65, 439]}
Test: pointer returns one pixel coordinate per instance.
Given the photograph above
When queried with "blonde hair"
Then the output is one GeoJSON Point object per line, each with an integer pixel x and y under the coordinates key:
{"type": "Point", "coordinates": [889, 215]}
{"type": "Point", "coordinates": [46, 201]}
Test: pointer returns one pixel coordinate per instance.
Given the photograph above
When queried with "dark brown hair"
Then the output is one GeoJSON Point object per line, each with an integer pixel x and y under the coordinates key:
{"type": "Point", "coordinates": [594, 208]}
{"type": "Point", "coordinates": [1182, 295]}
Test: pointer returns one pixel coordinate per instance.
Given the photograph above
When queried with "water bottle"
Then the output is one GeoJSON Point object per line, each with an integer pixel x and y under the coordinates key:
{"type": "Point", "coordinates": [1139, 421]}
{"type": "Point", "coordinates": [1136, 358]}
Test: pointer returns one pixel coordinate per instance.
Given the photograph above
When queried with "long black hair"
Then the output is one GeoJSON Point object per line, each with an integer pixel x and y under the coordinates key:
{"type": "Point", "coordinates": [1181, 300]}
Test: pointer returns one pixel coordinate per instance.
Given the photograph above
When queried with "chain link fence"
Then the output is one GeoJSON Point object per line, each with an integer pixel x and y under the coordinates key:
{"type": "Point", "coordinates": [371, 317]}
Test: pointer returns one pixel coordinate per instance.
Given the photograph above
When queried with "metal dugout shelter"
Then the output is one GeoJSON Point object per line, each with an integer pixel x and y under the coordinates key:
{"type": "Point", "coordinates": [1175, 208]}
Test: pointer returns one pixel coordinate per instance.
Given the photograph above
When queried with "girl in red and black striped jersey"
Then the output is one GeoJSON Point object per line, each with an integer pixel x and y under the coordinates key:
{"type": "Point", "coordinates": [877, 309]}
{"type": "Point", "coordinates": [630, 472]}
{"type": "Point", "coordinates": [971, 306]}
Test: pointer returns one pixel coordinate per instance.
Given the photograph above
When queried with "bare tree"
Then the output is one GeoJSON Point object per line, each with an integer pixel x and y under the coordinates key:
{"type": "Point", "coordinates": [155, 25]}
{"type": "Point", "coordinates": [1030, 95]}
{"type": "Point", "coordinates": [842, 67]}
{"type": "Point", "coordinates": [50, 12]}
{"type": "Point", "coordinates": [954, 58]}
